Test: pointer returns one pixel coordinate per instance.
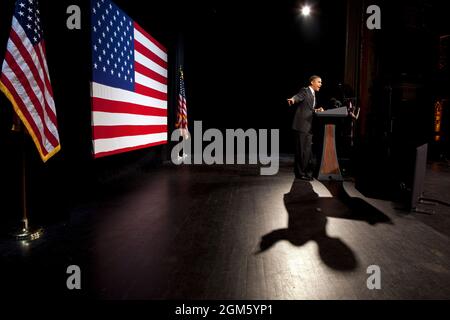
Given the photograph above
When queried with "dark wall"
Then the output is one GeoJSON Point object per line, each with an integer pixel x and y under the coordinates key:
{"type": "Point", "coordinates": [406, 82]}
{"type": "Point", "coordinates": [399, 117]}
{"type": "Point", "coordinates": [245, 58]}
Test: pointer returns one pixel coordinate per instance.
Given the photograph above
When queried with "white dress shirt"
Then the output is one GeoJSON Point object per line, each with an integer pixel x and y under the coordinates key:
{"type": "Point", "coordinates": [314, 95]}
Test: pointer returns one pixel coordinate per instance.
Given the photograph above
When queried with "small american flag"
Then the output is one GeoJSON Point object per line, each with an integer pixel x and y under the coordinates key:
{"type": "Point", "coordinates": [129, 85]}
{"type": "Point", "coordinates": [25, 79]}
{"type": "Point", "coordinates": [182, 122]}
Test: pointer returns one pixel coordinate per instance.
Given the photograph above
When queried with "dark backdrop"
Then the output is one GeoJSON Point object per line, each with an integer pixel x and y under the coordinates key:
{"type": "Point", "coordinates": [244, 59]}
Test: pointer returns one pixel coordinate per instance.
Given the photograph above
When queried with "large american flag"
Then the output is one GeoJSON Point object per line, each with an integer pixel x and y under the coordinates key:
{"type": "Point", "coordinates": [25, 79]}
{"type": "Point", "coordinates": [129, 87]}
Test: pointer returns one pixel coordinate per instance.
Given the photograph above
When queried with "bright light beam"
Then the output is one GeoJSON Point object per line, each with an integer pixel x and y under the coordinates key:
{"type": "Point", "coordinates": [306, 11]}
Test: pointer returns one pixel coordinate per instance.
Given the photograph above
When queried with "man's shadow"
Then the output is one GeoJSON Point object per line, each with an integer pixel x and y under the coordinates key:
{"type": "Point", "coordinates": [307, 222]}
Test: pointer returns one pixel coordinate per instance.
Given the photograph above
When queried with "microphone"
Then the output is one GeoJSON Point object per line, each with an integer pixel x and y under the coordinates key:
{"type": "Point", "coordinates": [335, 103]}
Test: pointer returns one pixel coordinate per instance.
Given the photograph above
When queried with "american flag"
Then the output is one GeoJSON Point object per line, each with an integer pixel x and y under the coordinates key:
{"type": "Point", "coordinates": [129, 87]}
{"type": "Point", "coordinates": [25, 79]}
{"type": "Point", "coordinates": [182, 122]}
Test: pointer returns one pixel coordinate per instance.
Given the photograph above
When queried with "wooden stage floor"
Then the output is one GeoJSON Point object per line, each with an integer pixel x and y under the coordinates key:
{"type": "Point", "coordinates": [227, 233]}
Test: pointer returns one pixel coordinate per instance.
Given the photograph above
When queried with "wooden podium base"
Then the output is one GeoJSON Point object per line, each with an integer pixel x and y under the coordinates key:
{"type": "Point", "coordinates": [329, 166]}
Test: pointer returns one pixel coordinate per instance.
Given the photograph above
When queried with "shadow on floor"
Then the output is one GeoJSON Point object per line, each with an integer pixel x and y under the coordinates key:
{"type": "Point", "coordinates": [357, 208]}
{"type": "Point", "coordinates": [308, 219]}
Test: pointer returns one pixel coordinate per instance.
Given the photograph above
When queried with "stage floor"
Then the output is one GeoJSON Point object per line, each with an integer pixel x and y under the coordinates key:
{"type": "Point", "coordinates": [227, 233]}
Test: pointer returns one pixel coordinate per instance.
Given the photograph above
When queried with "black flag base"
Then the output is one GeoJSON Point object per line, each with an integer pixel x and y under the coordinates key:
{"type": "Point", "coordinates": [27, 234]}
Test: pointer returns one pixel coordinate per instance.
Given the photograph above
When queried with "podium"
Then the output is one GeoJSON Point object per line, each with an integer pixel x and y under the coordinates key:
{"type": "Point", "coordinates": [329, 165]}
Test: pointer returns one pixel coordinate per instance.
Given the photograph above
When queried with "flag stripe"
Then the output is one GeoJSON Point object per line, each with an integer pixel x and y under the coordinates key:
{"type": "Point", "coordinates": [22, 48]}
{"type": "Point", "coordinates": [103, 105]}
{"type": "Point", "coordinates": [49, 103]}
{"type": "Point", "coordinates": [41, 56]}
{"type": "Point", "coordinates": [114, 94]}
{"type": "Point", "coordinates": [118, 151]}
{"type": "Point", "coordinates": [107, 132]}
{"type": "Point", "coordinates": [107, 145]}
{"type": "Point", "coordinates": [150, 92]}
{"type": "Point", "coordinates": [21, 51]}
{"type": "Point", "coordinates": [121, 119]}
{"type": "Point", "coordinates": [14, 71]}
{"type": "Point", "coordinates": [33, 105]}
{"type": "Point", "coordinates": [39, 61]}
{"type": "Point", "coordinates": [149, 64]}
{"type": "Point", "coordinates": [23, 109]}
{"type": "Point", "coordinates": [149, 54]}
{"type": "Point", "coordinates": [139, 68]}
{"type": "Point", "coordinates": [17, 55]}
{"type": "Point", "coordinates": [18, 35]}
{"type": "Point", "coordinates": [150, 83]}
{"type": "Point", "coordinates": [39, 69]}
{"type": "Point", "coordinates": [182, 102]}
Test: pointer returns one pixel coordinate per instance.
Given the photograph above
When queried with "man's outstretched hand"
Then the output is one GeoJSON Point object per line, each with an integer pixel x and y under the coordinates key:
{"type": "Point", "coordinates": [290, 102]}
{"type": "Point", "coordinates": [319, 110]}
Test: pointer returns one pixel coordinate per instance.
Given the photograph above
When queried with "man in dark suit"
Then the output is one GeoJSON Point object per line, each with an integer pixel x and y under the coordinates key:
{"type": "Point", "coordinates": [306, 104]}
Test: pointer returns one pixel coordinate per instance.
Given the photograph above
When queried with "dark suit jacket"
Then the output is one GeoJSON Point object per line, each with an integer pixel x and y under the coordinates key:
{"type": "Point", "coordinates": [305, 110]}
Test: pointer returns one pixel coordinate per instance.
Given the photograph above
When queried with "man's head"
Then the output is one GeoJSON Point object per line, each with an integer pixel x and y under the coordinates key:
{"type": "Point", "coordinates": [315, 82]}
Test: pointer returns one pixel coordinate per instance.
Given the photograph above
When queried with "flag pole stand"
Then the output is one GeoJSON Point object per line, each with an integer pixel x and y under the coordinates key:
{"type": "Point", "coordinates": [25, 233]}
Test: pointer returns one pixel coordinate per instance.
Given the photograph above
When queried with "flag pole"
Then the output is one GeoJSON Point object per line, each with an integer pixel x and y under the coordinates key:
{"type": "Point", "coordinates": [25, 233]}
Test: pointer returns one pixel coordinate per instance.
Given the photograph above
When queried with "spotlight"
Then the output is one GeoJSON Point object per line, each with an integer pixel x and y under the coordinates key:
{"type": "Point", "coordinates": [306, 11]}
